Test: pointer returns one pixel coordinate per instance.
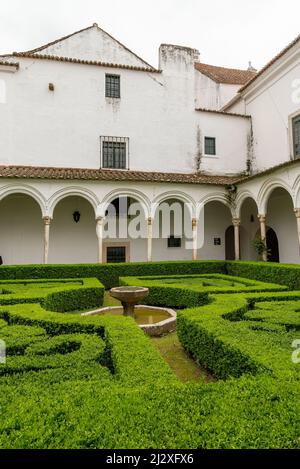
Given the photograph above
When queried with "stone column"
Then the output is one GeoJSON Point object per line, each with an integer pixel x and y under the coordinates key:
{"type": "Point", "coordinates": [150, 237]}
{"type": "Point", "coordinates": [195, 238]}
{"type": "Point", "coordinates": [297, 213]}
{"type": "Point", "coordinates": [47, 223]}
{"type": "Point", "coordinates": [263, 233]}
{"type": "Point", "coordinates": [236, 223]}
{"type": "Point", "coordinates": [99, 231]}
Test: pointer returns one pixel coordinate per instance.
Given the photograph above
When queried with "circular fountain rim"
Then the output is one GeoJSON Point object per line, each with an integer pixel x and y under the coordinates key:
{"type": "Point", "coordinates": [150, 329]}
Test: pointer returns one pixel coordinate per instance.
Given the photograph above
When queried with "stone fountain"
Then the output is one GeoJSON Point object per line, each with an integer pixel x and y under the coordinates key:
{"type": "Point", "coordinates": [154, 321]}
{"type": "Point", "coordinates": [129, 297]}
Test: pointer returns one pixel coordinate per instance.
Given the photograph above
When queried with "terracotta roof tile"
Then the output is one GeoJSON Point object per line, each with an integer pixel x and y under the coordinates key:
{"type": "Point", "coordinates": [229, 76]}
{"type": "Point", "coordinates": [39, 172]}
{"type": "Point", "coordinates": [223, 113]}
{"type": "Point", "coordinates": [9, 64]}
{"type": "Point", "coordinates": [83, 62]}
{"type": "Point", "coordinates": [95, 25]}
{"type": "Point", "coordinates": [269, 64]}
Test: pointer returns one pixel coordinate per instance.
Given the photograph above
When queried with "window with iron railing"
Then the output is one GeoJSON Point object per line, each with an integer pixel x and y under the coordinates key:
{"type": "Point", "coordinates": [296, 136]}
{"type": "Point", "coordinates": [210, 146]}
{"type": "Point", "coordinates": [114, 152]}
{"type": "Point", "coordinates": [112, 86]}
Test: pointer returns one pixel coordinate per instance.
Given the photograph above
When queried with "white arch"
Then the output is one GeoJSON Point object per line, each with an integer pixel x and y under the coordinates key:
{"type": "Point", "coordinates": [69, 192]}
{"type": "Point", "coordinates": [177, 195]}
{"type": "Point", "coordinates": [242, 196]}
{"type": "Point", "coordinates": [296, 190]}
{"type": "Point", "coordinates": [135, 194]}
{"type": "Point", "coordinates": [266, 190]}
{"type": "Point", "coordinates": [26, 190]}
{"type": "Point", "coordinates": [216, 197]}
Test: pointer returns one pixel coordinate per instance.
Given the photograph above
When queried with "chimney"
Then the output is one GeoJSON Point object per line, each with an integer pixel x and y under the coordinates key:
{"type": "Point", "coordinates": [250, 68]}
{"type": "Point", "coordinates": [172, 56]}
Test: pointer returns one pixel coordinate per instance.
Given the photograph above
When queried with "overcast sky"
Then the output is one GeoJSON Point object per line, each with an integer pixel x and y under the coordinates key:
{"type": "Point", "coordinates": [226, 32]}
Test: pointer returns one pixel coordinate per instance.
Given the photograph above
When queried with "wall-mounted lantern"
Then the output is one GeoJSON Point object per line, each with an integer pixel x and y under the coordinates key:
{"type": "Point", "coordinates": [76, 216]}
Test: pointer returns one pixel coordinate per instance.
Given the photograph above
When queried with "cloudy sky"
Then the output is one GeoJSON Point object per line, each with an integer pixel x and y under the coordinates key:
{"type": "Point", "coordinates": [226, 32]}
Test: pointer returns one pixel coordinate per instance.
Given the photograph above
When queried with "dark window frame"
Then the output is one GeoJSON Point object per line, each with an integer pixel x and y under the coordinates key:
{"type": "Point", "coordinates": [174, 242]}
{"type": "Point", "coordinates": [210, 146]}
{"type": "Point", "coordinates": [112, 86]}
{"type": "Point", "coordinates": [114, 257]}
{"type": "Point", "coordinates": [296, 136]}
{"type": "Point", "coordinates": [114, 154]}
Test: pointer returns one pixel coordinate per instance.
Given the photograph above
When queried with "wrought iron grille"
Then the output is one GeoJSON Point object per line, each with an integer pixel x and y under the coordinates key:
{"type": "Point", "coordinates": [210, 146]}
{"type": "Point", "coordinates": [112, 86]}
{"type": "Point", "coordinates": [296, 136]}
{"type": "Point", "coordinates": [115, 152]}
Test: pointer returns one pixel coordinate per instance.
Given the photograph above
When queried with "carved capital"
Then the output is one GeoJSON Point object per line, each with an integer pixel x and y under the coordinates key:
{"type": "Point", "coordinates": [297, 212]}
{"type": "Point", "coordinates": [262, 218]}
{"type": "Point", "coordinates": [236, 221]}
{"type": "Point", "coordinates": [194, 223]}
{"type": "Point", "coordinates": [99, 220]}
{"type": "Point", "coordinates": [47, 220]}
{"type": "Point", "coordinates": [150, 221]}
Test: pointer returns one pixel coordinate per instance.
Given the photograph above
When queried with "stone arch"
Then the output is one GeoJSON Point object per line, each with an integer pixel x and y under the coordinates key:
{"type": "Point", "coordinates": [26, 190]}
{"type": "Point", "coordinates": [69, 192]}
{"type": "Point", "coordinates": [21, 228]}
{"type": "Point", "coordinates": [216, 197]}
{"type": "Point", "coordinates": [137, 195]}
{"type": "Point", "coordinates": [266, 190]}
{"type": "Point", "coordinates": [296, 190]}
{"type": "Point", "coordinates": [180, 196]}
{"type": "Point", "coordinates": [241, 198]}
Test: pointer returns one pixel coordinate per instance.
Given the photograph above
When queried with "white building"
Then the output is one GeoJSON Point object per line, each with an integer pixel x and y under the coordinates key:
{"type": "Point", "coordinates": [85, 122]}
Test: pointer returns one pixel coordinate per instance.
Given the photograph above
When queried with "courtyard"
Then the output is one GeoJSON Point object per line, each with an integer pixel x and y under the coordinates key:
{"type": "Point", "coordinates": [227, 378]}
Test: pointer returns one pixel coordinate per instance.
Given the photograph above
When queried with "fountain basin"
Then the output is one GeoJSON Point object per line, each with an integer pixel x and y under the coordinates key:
{"type": "Point", "coordinates": [129, 297]}
{"type": "Point", "coordinates": [152, 320]}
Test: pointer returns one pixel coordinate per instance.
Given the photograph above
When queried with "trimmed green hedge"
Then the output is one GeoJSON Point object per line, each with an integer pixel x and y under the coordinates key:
{"type": "Point", "coordinates": [181, 283]}
{"type": "Point", "coordinates": [222, 337]}
{"type": "Point", "coordinates": [283, 274]}
{"type": "Point", "coordinates": [169, 296]}
{"type": "Point", "coordinates": [55, 295]}
{"type": "Point", "coordinates": [98, 382]}
{"type": "Point", "coordinates": [109, 274]}
{"type": "Point", "coordinates": [137, 402]}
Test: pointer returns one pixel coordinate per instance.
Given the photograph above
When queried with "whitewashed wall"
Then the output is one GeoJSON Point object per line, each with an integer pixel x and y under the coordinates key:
{"type": "Point", "coordinates": [212, 95]}
{"type": "Point", "coordinates": [271, 101]}
{"type": "Point", "coordinates": [231, 134]}
{"type": "Point", "coordinates": [94, 44]}
{"type": "Point", "coordinates": [62, 128]}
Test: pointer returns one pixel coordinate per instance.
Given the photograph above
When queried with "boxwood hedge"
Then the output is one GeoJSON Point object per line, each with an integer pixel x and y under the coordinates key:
{"type": "Point", "coordinates": [97, 382]}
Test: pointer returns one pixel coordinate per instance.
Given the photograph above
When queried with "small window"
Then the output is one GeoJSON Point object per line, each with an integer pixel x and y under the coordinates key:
{"type": "Point", "coordinates": [174, 242]}
{"type": "Point", "coordinates": [116, 254]}
{"type": "Point", "coordinates": [296, 136]}
{"type": "Point", "coordinates": [114, 152]}
{"type": "Point", "coordinates": [210, 146]}
{"type": "Point", "coordinates": [112, 86]}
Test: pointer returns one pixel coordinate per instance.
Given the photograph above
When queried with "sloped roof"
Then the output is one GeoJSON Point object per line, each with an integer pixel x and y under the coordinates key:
{"type": "Point", "coordinates": [39, 172]}
{"type": "Point", "coordinates": [84, 62]}
{"type": "Point", "coordinates": [9, 64]}
{"type": "Point", "coordinates": [61, 39]}
{"type": "Point", "coordinates": [229, 76]}
{"type": "Point", "coordinates": [269, 64]}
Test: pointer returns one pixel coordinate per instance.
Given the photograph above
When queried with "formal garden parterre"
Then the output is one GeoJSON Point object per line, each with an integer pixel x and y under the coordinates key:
{"type": "Point", "coordinates": [97, 382]}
